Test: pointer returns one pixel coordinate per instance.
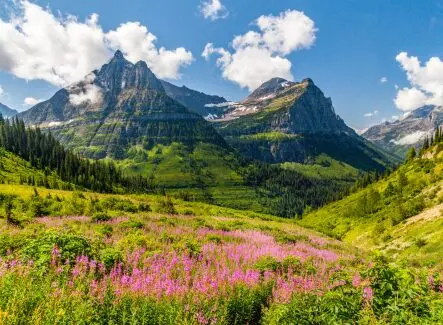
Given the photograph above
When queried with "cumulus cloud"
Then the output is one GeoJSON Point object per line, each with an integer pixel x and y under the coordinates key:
{"type": "Point", "coordinates": [31, 101]}
{"type": "Point", "coordinates": [408, 99]}
{"type": "Point", "coordinates": [36, 44]}
{"type": "Point", "coordinates": [137, 43]}
{"type": "Point", "coordinates": [213, 9]}
{"type": "Point", "coordinates": [412, 138]}
{"type": "Point", "coordinates": [258, 56]}
{"type": "Point", "coordinates": [371, 114]}
{"type": "Point", "coordinates": [2, 92]}
{"type": "Point", "coordinates": [426, 82]}
{"type": "Point", "coordinates": [383, 80]}
{"type": "Point", "coordinates": [91, 93]}
{"type": "Point", "coordinates": [85, 92]}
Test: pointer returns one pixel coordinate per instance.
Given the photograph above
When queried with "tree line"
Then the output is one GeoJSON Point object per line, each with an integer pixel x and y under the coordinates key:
{"type": "Point", "coordinates": [44, 152]}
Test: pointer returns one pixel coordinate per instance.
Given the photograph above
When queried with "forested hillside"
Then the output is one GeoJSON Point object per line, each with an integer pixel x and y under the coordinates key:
{"type": "Point", "coordinates": [401, 214]}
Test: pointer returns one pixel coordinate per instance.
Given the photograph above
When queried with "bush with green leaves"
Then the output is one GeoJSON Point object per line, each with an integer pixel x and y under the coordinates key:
{"type": "Point", "coordinates": [69, 246]}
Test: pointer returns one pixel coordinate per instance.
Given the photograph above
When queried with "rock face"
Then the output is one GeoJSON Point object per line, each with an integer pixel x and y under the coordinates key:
{"type": "Point", "coordinates": [207, 106]}
{"type": "Point", "coordinates": [119, 106]}
{"type": "Point", "coordinates": [293, 121]}
{"type": "Point", "coordinates": [409, 131]}
{"type": "Point", "coordinates": [6, 111]}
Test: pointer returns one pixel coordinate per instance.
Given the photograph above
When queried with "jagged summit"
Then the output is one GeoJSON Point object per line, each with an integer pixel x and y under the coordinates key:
{"type": "Point", "coordinates": [119, 73]}
{"type": "Point", "coordinates": [269, 88]}
{"type": "Point", "coordinates": [118, 55]}
{"type": "Point", "coordinates": [294, 121]}
{"type": "Point", "coordinates": [120, 105]}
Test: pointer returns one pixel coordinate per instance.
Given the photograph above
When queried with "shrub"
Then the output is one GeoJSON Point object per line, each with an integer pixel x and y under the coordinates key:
{"type": "Point", "coordinates": [100, 217]}
{"type": "Point", "coordinates": [110, 256]}
{"type": "Point", "coordinates": [70, 246]}
{"type": "Point", "coordinates": [166, 206]}
{"type": "Point", "coordinates": [267, 263]}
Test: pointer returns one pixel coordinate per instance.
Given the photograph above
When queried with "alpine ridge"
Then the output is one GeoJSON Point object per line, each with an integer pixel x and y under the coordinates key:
{"type": "Point", "coordinates": [208, 106]}
{"type": "Point", "coordinates": [6, 111]}
{"type": "Point", "coordinates": [285, 121]}
{"type": "Point", "coordinates": [410, 130]}
{"type": "Point", "coordinates": [119, 106]}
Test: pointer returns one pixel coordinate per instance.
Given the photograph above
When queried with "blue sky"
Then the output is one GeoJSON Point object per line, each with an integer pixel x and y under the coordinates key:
{"type": "Point", "coordinates": [356, 45]}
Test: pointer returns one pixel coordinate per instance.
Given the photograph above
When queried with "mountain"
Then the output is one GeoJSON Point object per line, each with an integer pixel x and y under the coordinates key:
{"type": "Point", "coordinates": [285, 121]}
{"type": "Point", "coordinates": [6, 111]}
{"type": "Point", "coordinates": [208, 106]}
{"type": "Point", "coordinates": [120, 106]}
{"type": "Point", "coordinates": [409, 131]}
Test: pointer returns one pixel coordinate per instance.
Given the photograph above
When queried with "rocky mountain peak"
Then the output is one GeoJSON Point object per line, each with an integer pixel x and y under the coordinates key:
{"type": "Point", "coordinates": [120, 73]}
{"type": "Point", "coordinates": [118, 55]}
{"type": "Point", "coordinates": [269, 89]}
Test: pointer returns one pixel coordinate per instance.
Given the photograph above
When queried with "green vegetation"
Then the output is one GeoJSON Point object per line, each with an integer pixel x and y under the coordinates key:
{"type": "Point", "coordinates": [69, 254]}
{"type": "Point", "coordinates": [324, 167]}
{"type": "Point", "coordinates": [155, 260]}
{"type": "Point", "coordinates": [399, 215]}
{"type": "Point", "coordinates": [269, 136]}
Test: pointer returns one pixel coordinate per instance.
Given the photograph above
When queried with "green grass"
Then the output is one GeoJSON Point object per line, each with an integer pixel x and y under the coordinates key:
{"type": "Point", "coordinates": [15, 170]}
{"type": "Point", "coordinates": [397, 215]}
{"type": "Point", "coordinates": [324, 167]}
{"type": "Point", "coordinates": [274, 136]}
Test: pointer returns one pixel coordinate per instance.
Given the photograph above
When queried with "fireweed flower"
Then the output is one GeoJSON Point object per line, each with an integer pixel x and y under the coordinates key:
{"type": "Point", "coordinates": [368, 295]}
{"type": "Point", "coordinates": [356, 280]}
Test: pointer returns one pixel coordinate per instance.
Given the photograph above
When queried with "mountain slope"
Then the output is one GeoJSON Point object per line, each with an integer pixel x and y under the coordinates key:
{"type": "Point", "coordinates": [116, 107]}
{"type": "Point", "coordinates": [400, 214]}
{"type": "Point", "coordinates": [207, 106]}
{"type": "Point", "coordinates": [6, 111]}
{"type": "Point", "coordinates": [284, 121]}
{"type": "Point", "coordinates": [409, 131]}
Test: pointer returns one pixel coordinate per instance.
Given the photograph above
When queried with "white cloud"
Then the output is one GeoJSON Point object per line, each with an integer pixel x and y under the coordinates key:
{"type": "Point", "coordinates": [36, 44]}
{"type": "Point", "coordinates": [411, 138]}
{"type": "Point", "coordinates": [2, 92]}
{"type": "Point", "coordinates": [137, 43]}
{"type": "Point", "coordinates": [371, 114]}
{"type": "Point", "coordinates": [91, 93]}
{"type": "Point", "coordinates": [31, 101]}
{"type": "Point", "coordinates": [383, 80]}
{"type": "Point", "coordinates": [409, 99]}
{"type": "Point", "coordinates": [426, 82]}
{"type": "Point", "coordinates": [86, 92]}
{"type": "Point", "coordinates": [260, 56]}
{"type": "Point", "coordinates": [213, 9]}
{"type": "Point", "coordinates": [395, 117]}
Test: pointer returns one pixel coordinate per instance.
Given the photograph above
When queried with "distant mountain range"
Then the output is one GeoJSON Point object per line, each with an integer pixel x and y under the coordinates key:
{"type": "Point", "coordinates": [124, 105]}
{"type": "Point", "coordinates": [6, 111]}
{"type": "Point", "coordinates": [408, 131]}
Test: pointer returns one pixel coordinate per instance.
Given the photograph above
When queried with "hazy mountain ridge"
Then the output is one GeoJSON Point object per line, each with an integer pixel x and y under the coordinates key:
{"type": "Point", "coordinates": [7, 111]}
{"type": "Point", "coordinates": [411, 130]}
